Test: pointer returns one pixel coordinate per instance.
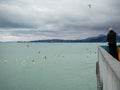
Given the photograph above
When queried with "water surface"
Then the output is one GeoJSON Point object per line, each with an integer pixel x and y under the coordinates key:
{"type": "Point", "coordinates": [48, 66]}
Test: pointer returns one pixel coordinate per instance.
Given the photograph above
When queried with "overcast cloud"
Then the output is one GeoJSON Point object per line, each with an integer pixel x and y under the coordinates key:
{"type": "Point", "coordinates": [57, 19]}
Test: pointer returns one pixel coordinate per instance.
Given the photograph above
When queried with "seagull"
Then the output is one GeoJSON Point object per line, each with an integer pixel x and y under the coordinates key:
{"type": "Point", "coordinates": [5, 61]}
{"type": "Point", "coordinates": [27, 45]}
{"type": "Point", "coordinates": [45, 57]}
{"type": "Point", "coordinates": [89, 5]}
{"type": "Point", "coordinates": [33, 60]}
{"type": "Point", "coordinates": [39, 52]}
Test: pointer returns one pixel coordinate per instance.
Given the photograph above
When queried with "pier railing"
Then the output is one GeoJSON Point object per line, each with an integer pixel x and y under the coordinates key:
{"type": "Point", "coordinates": [107, 71]}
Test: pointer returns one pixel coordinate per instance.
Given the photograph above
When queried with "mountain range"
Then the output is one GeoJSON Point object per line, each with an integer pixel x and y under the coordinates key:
{"type": "Point", "coordinates": [100, 38]}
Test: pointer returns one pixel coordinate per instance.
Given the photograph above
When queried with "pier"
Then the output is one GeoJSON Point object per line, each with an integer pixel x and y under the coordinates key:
{"type": "Point", "coordinates": [107, 71]}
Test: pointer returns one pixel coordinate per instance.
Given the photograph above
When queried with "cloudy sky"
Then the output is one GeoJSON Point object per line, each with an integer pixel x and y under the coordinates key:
{"type": "Point", "coordinates": [57, 19]}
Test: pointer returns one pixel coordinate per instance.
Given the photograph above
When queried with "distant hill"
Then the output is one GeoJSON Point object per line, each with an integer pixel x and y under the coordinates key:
{"type": "Point", "coordinates": [100, 38]}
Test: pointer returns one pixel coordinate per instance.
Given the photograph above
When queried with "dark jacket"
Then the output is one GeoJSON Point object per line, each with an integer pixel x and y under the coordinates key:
{"type": "Point", "coordinates": [111, 37]}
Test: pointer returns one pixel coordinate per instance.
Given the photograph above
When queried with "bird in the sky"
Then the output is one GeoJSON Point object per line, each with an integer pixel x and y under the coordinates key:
{"type": "Point", "coordinates": [89, 5]}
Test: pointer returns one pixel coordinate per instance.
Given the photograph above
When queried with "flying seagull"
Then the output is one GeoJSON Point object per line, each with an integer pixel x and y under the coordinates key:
{"type": "Point", "coordinates": [89, 5]}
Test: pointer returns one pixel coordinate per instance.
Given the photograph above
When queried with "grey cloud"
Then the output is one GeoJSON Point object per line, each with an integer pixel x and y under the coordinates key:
{"type": "Point", "coordinates": [58, 19]}
{"type": "Point", "coordinates": [11, 24]}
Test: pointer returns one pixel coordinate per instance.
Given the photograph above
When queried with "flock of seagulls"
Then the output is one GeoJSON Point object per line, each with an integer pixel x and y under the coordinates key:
{"type": "Point", "coordinates": [5, 61]}
{"type": "Point", "coordinates": [33, 60]}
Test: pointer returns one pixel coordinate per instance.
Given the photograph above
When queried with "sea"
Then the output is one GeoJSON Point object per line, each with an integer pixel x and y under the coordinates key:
{"type": "Point", "coordinates": [48, 66]}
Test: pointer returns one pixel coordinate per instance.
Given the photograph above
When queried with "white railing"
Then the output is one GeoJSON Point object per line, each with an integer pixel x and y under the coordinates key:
{"type": "Point", "coordinates": [109, 71]}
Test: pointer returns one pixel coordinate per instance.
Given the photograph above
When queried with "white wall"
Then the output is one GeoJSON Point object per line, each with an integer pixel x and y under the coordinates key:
{"type": "Point", "coordinates": [109, 70]}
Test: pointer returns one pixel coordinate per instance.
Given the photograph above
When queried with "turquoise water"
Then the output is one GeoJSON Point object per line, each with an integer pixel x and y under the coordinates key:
{"type": "Point", "coordinates": [48, 66]}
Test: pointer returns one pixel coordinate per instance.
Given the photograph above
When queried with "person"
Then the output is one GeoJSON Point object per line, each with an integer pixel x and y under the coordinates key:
{"type": "Point", "coordinates": [111, 38]}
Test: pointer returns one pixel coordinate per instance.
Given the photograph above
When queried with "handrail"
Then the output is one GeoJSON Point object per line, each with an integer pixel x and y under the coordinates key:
{"type": "Point", "coordinates": [112, 62]}
{"type": "Point", "coordinates": [109, 70]}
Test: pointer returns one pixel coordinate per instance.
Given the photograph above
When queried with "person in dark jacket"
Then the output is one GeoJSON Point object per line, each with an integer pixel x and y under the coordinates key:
{"type": "Point", "coordinates": [111, 38]}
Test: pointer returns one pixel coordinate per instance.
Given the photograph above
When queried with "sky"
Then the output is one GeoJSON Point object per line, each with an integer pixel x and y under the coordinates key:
{"type": "Point", "coordinates": [25, 20]}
